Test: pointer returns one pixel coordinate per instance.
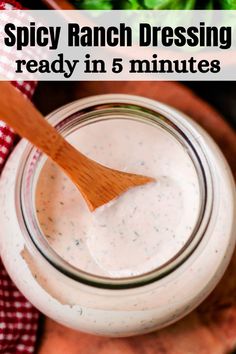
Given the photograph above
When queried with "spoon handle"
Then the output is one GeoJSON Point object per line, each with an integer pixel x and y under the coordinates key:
{"type": "Point", "coordinates": [20, 114]}
{"type": "Point", "coordinates": [97, 183]}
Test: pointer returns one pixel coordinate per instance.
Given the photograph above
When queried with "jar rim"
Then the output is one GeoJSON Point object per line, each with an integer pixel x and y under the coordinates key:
{"type": "Point", "coordinates": [155, 113]}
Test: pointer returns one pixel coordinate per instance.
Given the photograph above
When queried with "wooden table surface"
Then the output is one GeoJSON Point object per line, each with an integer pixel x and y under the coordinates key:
{"type": "Point", "coordinates": [211, 328]}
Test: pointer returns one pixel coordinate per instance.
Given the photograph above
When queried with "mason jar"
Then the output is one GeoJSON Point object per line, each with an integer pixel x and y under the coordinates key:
{"type": "Point", "coordinates": [148, 297]}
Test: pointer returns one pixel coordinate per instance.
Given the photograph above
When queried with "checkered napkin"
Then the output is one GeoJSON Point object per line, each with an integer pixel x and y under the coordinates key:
{"type": "Point", "coordinates": [18, 318]}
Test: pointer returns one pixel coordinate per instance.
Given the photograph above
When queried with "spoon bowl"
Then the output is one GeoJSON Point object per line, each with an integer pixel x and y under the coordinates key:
{"type": "Point", "coordinates": [98, 184]}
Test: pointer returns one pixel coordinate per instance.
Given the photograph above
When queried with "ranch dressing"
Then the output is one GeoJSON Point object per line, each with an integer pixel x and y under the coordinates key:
{"type": "Point", "coordinates": [138, 232]}
{"type": "Point", "coordinates": [142, 229]}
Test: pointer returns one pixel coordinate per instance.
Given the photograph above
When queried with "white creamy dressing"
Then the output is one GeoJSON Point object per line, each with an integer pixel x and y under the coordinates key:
{"type": "Point", "coordinates": [142, 229]}
{"type": "Point", "coordinates": [163, 215]}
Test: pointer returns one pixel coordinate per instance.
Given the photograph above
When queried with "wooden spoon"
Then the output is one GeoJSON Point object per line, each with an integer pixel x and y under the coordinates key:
{"type": "Point", "coordinates": [98, 184]}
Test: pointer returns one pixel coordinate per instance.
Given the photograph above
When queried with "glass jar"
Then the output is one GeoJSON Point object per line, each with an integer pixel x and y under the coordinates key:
{"type": "Point", "coordinates": [135, 304]}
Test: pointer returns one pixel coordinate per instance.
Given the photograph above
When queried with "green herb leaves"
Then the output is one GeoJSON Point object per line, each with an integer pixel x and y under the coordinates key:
{"type": "Point", "coordinates": [155, 4]}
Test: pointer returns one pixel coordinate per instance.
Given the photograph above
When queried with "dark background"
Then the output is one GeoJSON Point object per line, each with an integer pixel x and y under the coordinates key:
{"type": "Point", "coordinates": [221, 95]}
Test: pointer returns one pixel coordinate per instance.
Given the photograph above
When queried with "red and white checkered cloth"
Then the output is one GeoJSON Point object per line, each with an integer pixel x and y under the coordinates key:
{"type": "Point", "coordinates": [18, 318]}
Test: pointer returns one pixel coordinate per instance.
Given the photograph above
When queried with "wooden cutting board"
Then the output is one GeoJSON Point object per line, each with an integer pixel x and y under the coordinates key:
{"type": "Point", "coordinates": [211, 328]}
